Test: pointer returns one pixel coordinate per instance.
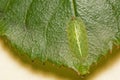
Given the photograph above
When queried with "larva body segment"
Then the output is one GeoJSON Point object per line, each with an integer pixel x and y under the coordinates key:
{"type": "Point", "coordinates": [77, 38]}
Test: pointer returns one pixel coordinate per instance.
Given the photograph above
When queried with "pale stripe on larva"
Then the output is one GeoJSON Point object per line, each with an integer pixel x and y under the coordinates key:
{"type": "Point", "coordinates": [77, 38]}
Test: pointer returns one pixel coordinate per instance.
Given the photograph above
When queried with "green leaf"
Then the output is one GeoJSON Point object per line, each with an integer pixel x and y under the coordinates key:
{"type": "Point", "coordinates": [37, 28]}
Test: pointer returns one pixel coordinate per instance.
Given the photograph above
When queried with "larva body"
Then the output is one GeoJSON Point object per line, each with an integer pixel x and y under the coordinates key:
{"type": "Point", "coordinates": [77, 38]}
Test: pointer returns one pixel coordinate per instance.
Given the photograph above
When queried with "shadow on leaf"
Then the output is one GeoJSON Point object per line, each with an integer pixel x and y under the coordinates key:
{"type": "Point", "coordinates": [61, 72]}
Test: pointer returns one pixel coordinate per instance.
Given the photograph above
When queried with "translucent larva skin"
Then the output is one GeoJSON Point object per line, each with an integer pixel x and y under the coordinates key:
{"type": "Point", "coordinates": [77, 38]}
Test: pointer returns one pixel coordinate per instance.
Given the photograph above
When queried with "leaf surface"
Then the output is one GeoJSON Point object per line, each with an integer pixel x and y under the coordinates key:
{"type": "Point", "coordinates": [37, 28]}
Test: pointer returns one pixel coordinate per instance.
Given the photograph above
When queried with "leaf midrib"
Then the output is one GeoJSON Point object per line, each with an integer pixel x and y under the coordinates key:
{"type": "Point", "coordinates": [74, 8]}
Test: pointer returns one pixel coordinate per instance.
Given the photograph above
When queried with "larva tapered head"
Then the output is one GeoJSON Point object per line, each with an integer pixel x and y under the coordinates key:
{"type": "Point", "coordinates": [77, 38]}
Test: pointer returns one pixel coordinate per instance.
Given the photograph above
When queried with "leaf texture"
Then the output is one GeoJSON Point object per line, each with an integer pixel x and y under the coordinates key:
{"type": "Point", "coordinates": [37, 28]}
